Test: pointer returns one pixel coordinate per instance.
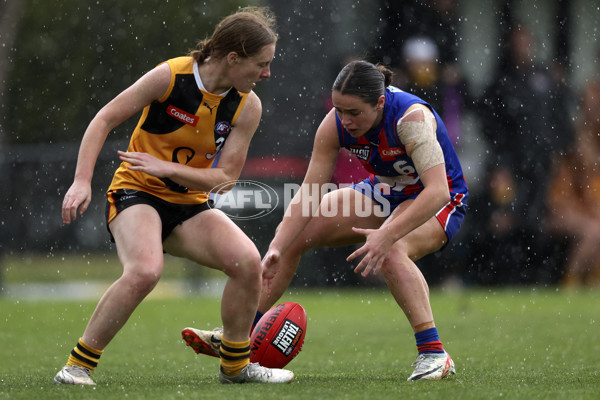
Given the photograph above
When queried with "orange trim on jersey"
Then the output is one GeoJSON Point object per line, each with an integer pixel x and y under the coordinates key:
{"type": "Point", "coordinates": [171, 83]}
{"type": "Point", "coordinates": [112, 208]}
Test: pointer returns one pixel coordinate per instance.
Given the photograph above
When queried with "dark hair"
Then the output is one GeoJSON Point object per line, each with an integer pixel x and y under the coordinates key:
{"type": "Point", "coordinates": [245, 32]}
{"type": "Point", "coordinates": [363, 79]}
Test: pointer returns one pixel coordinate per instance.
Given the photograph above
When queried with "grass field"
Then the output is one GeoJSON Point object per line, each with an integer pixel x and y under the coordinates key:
{"type": "Point", "coordinates": [519, 343]}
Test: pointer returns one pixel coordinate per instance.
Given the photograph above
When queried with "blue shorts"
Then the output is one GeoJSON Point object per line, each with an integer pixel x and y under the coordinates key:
{"type": "Point", "coordinates": [450, 216]}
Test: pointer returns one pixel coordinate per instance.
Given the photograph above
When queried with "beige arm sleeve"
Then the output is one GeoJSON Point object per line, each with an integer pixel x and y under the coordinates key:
{"type": "Point", "coordinates": [421, 142]}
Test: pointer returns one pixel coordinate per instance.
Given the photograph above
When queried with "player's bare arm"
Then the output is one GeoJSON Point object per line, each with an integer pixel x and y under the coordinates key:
{"type": "Point", "coordinates": [320, 170]}
{"type": "Point", "coordinates": [148, 88]}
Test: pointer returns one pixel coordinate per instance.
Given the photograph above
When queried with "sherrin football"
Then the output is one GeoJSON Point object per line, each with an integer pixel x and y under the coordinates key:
{"type": "Point", "coordinates": [278, 335]}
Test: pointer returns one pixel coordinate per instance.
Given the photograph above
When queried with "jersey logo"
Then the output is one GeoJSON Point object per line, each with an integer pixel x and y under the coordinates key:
{"type": "Point", "coordinates": [390, 154]}
{"type": "Point", "coordinates": [209, 107]}
{"type": "Point", "coordinates": [177, 157]}
{"type": "Point", "coordinates": [218, 145]}
{"type": "Point", "coordinates": [222, 128]}
{"type": "Point", "coordinates": [362, 151]}
{"type": "Point", "coordinates": [182, 116]}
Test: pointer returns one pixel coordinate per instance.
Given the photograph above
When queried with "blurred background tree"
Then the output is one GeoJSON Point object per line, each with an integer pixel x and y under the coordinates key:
{"type": "Point", "coordinates": [70, 57]}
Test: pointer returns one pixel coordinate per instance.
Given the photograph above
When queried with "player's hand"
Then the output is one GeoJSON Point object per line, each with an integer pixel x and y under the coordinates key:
{"type": "Point", "coordinates": [270, 265]}
{"type": "Point", "coordinates": [374, 252]}
{"type": "Point", "coordinates": [78, 198]}
{"type": "Point", "coordinates": [145, 162]}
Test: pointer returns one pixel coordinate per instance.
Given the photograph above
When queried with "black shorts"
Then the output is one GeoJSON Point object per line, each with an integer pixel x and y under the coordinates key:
{"type": "Point", "coordinates": [170, 214]}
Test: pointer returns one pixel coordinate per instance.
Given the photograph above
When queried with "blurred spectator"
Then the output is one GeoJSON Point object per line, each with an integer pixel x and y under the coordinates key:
{"type": "Point", "coordinates": [435, 19]}
{"type": "Point", "coordinates": [526, 121]}
{"type": "Point", "coordinates": [575, 193]}
{"type": "Point", "coordinates": [419, 42]}
{"type": "Point", "coordinates": [441, 84]}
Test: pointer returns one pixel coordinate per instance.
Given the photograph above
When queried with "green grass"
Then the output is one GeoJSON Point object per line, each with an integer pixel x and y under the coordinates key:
{"type": "Point", "coordinates": [60, 267]}
{"type": "Point", "coordinates": [518, 343]}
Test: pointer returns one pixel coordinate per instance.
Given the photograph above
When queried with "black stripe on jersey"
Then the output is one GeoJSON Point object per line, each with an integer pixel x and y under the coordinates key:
{"type": "Point", "coordinates": [185, 96]}
{"type": "Point", "coordinates": [227, 108]}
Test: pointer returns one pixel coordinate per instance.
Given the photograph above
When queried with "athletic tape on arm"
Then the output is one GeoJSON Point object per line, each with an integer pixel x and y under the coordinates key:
{"type": "Point", "coordinates": [427, 151]}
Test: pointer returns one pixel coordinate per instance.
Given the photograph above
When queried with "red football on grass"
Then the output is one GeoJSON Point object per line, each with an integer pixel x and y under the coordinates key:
{"type": "Point", "coordinates": [278, 336]}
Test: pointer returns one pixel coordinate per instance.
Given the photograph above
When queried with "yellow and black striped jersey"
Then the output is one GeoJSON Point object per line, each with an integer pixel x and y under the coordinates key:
{"type": "Point", "coordinates": [187, 125]}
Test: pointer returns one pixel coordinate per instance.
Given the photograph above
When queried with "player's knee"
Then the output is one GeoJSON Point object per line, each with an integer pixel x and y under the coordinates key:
{"type": "Point", "coordinates": [245, 265]}
{"type": "Point", "coordinates": [397, 259]}
{"type": "Point", "coordinates": [144, 276]}
{"type": "Point", "coordinates": [399, 251]}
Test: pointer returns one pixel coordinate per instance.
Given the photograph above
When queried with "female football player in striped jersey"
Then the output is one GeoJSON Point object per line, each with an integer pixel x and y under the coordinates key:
{"type": "Point", "coordinates": [199, 114]}
{"type": "Point", "coordinates": [411, 205]}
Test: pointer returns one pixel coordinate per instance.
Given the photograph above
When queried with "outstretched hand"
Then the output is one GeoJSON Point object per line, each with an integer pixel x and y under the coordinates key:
{"type": "Point", "coordinates": [76, 200]}
{"type": "Point", "coordinates": [374, 252]}
{"type": "Point", "coordinates": [269, 268]}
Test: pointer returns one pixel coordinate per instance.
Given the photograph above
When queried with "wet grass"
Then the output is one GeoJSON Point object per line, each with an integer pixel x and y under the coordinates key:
{"type": "Point", "coordinates": [54, 267]}
{"type": "Point", "coordinates": [518, 343]}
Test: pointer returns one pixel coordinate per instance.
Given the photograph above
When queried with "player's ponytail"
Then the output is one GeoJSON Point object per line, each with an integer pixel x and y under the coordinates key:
{"type": "Point", "coordinates": [203, 51]}
{"type": "Point", "coordinates": [387, 74]}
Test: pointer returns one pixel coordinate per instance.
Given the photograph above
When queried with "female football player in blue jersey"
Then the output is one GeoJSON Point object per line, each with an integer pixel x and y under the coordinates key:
{"type": "Point", "coordinates": [197, 109]}
{"type": "Point", "coordinates": [411, 205]}
{"type": "Point", "coordinates": [416, 192]}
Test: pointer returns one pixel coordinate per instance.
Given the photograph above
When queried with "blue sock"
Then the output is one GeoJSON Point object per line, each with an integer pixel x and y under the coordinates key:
{"type": "Point", "coordinates": [428, 341]}
{"type": "Point", "coordinates": [257, 318]}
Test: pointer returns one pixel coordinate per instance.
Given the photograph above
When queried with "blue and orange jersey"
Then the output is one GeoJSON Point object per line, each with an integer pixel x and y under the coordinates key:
{"type": "Point", "coordinates": [382, 153]}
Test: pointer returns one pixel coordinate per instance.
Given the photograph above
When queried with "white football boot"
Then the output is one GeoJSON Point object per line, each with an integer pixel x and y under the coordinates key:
{"type": "Point", "coordinates": [254, 373]}
{"type": "Point", "coordinates": [432, 366]}
{"type": "Point", "coordinates": [74, 375]}
{"type": "Point", "coordinates": [203, 342]}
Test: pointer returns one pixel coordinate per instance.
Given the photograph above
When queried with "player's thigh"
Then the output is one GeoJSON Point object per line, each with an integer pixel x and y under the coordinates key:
{"type": "Point", "coordinates": [211, 239]}
{"type": "Point", "coordinates": [424, 240]}
{"type": "Point", "coordinates": [340, 211]}
{"type": "Point", "coordinates": [137, 234]}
